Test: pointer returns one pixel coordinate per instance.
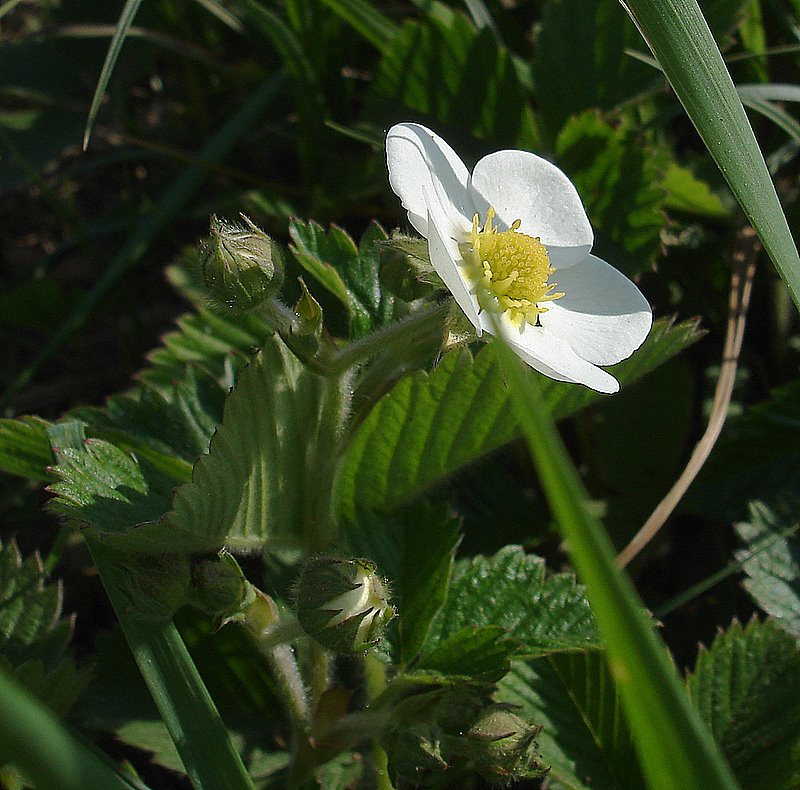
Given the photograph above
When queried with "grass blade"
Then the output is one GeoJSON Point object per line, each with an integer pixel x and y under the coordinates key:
{"type": "Point", "coordinates": [679, 37]}
{"type": "Point", "coordinates": [129, 11]}
{"type": "Point", "coordinates": [367, 20]}
{"type": "Point", "coordinates": [34, 740]}
{"type": "Point", "coordinates": [675, 749]}
{"type": "Point", "coordinates": [192, 719]}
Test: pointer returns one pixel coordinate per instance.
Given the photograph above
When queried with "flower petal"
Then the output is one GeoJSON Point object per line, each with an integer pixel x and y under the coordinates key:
{"type": "Point", "coordinates": [423, 167]}
{"type": "Point", "coordinates": [521, 185]}
{"type": "Point", "coordinates": [602, 315]}
{"type": "Point", "coordinates": [445, 257]}
{"type": "Point", "coordinates": [544, 351]}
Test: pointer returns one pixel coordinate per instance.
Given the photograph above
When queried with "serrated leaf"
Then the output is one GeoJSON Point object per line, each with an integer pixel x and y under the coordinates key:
{"type": "Point", "coordinates": [618, 174]}
{"type": "Point", "coordinates": [541, 614]}
{"type": "Point", "coordinates": [585, 737]}
{"type": "Point", "coordinates": [747, 689]}
{"type": "Point", "coordinates": [349, 272]}
{"type": "Point", "coordinates": [207, 339]}
{"type": "Point", "coordinates": [107, 490]}
{"type": "Point", "coordinates": [431, 424]}
{"type": "Point", "coordinates": [250, 486]}
{"type": "Point", "coordinates": [33, 635]}
{"type": "Point", "coordinates": [475, 653]}
{"type": "Point", "coordinates": [771, 561]}
{"type": "Point", "coordinates": [757, 457]}
{"type": "Point", "coordinates": [25, 448]}
{"type": "Point", "coordinates": [476, 87]}
{"type": "Point", "coordinates": [418, 581]}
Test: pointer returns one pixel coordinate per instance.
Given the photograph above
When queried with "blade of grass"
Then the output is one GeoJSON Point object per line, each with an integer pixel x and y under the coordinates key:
{"type": "Point", "coordinates": [192, 719]}
{"type": "Point", "coordinates": [679, 37]}
{"type": "Point", "coordinates": [675, 749]}
{"type": "Point", "coordinates": [129, 11]}
{"type": "Point", "coordinates": [367, 20]}
{"type": "Point", "coordinates": [36, 742]}
{"type": "Point", "coordinates": [151, 224]}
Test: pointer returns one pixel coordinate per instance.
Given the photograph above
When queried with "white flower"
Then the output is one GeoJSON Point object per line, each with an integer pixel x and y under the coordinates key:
{"type": "Point", "coordinates": [497, 235]}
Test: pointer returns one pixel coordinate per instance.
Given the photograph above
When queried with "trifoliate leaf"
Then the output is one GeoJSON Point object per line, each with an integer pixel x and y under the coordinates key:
{"type": "Point", "coordinates": [771, 560]}
{"type": "Point", "coordinates": [512, 590]}
{"type": "Point", "coordinates": [431, 424]}
{"type": "Point", "coordinates": [747, 689]}
{"type": "Point", "coordinates": [585, 737]}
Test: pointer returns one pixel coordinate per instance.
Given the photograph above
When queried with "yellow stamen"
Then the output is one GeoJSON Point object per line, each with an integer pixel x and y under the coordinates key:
{"type": "Point", "coordinates": [509, 270]}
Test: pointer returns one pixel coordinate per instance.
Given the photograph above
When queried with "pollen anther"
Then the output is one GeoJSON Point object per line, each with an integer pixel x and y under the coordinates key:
{"type": "Point", "coordinates": [509, 270]}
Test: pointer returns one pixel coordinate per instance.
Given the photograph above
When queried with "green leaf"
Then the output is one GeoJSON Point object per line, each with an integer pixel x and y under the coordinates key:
{"type": "Point", "coordinates": [676, 751]}
{"type": "Point", "coordinates": [541, 614]}
{"type": "Point", "coordinates": [679, 37]}
{"type": "Point", "coordinates": [431, 424]}
{"type": "Point", "coordinates": [349, 272]}
{"type": "Point", "coordinates": [418, 581]}
{"type": "Point", "coordinates": [448, 70]}
{"type": "Point", "coordinates": [747, 689]}
{"type": "Point", "coordinates": [585, 738]}
{"type": "Point", "coordinates": [619, 176]}
{"type": "Point", "coordinates": [376, 28]}
{"type": "Point", "coordinates": [33, 635]}
{"type": "Point", "coordinates": [771, 561]}
{"type": "Point", "coordinates": [580, 60]}
{"type": "Point", "coordinates": [757, 457]}
{"type": "Point", "coordinates": [251, 486]}
{"type": "Point", "coordinates": [107, 490]}
{"type": "Point", "coordinates": [687, 193]}
{"type": "Point", "coordinates": [25, 448]}
{"type": "Point", "coordinates": [475, 653]}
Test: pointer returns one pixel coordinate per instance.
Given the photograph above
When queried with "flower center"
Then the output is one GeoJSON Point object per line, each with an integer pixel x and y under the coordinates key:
{"type": "Point", "coordinates": [509, 270]}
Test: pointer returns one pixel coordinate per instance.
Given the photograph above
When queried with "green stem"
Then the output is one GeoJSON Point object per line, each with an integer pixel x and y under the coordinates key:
{"type": "Point", "coordinates": [192, 719]}
{"type": "Point", "coordinates": [376, 683]}
{"type": "Point", "coordinates": [35, 741]}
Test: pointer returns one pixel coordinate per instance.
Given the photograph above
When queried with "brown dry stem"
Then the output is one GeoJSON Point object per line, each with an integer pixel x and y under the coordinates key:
{"type": "Point", "coordinates": [744, 264]}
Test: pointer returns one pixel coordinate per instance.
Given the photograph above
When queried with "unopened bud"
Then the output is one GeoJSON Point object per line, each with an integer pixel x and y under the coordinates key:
{"type": "Point", "coordinates": [343, 604]}
{"type": "Point", "coordinates": [241, 266]}
{"type": "Point", "coordinates": [221, 589]}
{"type": "Point", "coordinates": [503, 746]}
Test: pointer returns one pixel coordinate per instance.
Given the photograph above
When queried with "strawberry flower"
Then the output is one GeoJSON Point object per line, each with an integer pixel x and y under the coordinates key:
{"type": "Point", "coordinates": [512, 243]}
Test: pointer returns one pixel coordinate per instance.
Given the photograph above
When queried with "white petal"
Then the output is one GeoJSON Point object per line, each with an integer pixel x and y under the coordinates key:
{"type": "Point", "coordinates": [423, 167]}
{"type": "Point", "coordinates": [549, 354]}
{"type": "Point", "coordinates": [443, 240]}
{"type": "Point", "coordinates": [603, 316]}
{"type": "Point", "coordinates": [521, 185]}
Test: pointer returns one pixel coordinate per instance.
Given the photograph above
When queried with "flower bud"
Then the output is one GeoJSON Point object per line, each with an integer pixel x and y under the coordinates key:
{"type": "Point", "coordinates": [343, 604]}
{"type": "Point", "coordinates": [221, 589]}
{"type": "Point", "coordinates": [240, 264]}
{"type": "Point", "coordinates": [501, 745]}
